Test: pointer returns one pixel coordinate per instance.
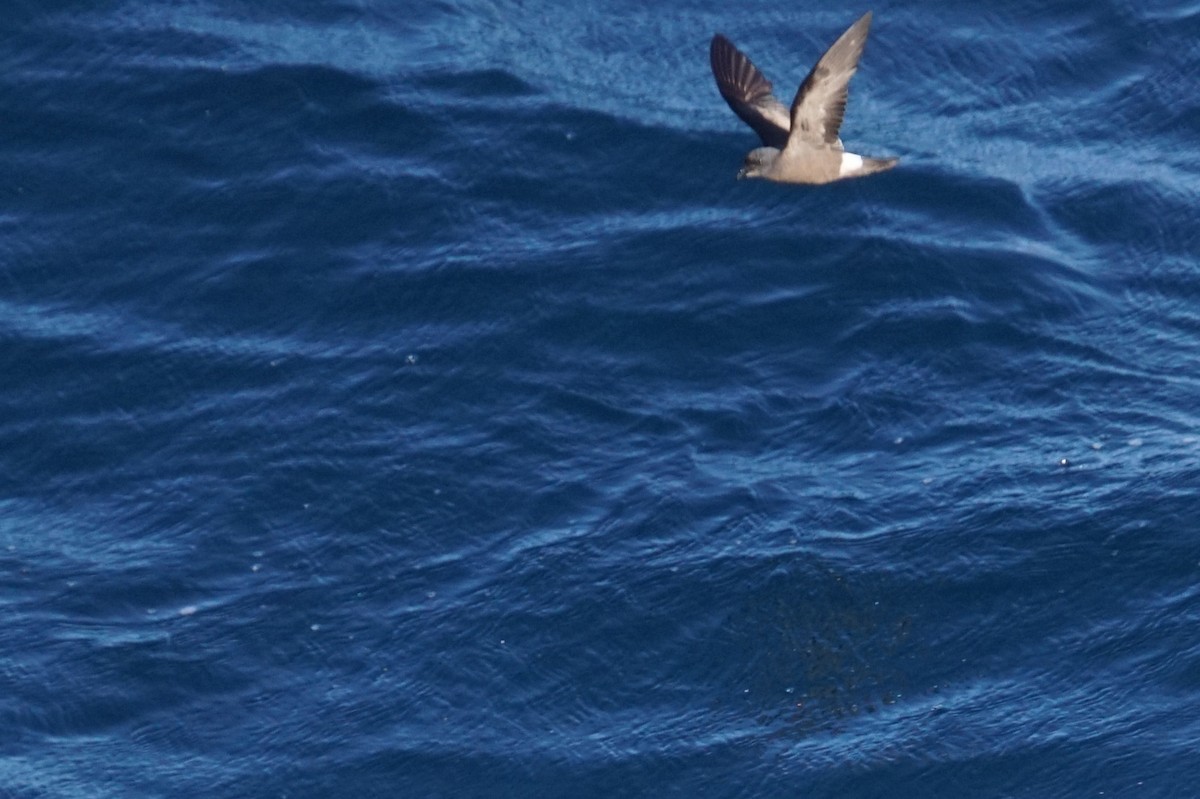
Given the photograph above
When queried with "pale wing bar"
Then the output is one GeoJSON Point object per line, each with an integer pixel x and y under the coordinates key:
{"type": "Point", "coordinates": [820, 102]}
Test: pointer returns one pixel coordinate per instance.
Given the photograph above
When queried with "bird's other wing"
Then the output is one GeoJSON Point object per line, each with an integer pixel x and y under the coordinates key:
{"type": "Point", "coordinates": [820, 102]}
{"type": "Point", "coordinates": [748, 93]}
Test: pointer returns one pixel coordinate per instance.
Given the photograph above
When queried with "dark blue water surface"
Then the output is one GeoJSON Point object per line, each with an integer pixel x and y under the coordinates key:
{"type": "Point", "coordinates": [402, 399]}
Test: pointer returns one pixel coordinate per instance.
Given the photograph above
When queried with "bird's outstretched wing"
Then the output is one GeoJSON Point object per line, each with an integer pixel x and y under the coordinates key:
{"type": "Point", "coordinates": [748, 93]}
{"type": "Point", "coordinates": [820, 102]}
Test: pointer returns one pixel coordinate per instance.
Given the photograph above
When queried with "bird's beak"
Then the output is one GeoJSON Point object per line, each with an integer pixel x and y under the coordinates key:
{"type": "Point", "coordinates": [741, 175]}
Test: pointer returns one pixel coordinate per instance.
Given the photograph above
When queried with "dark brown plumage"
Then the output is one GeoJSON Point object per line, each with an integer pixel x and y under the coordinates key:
{"type": "Point", "coordinates": [800, 145]}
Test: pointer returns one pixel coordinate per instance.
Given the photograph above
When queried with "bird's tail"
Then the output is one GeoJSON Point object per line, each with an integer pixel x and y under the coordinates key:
{"type": "Point", "coordinates": [871, 165]}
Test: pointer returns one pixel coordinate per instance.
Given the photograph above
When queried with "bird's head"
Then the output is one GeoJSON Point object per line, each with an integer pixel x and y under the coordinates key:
{"type": "Point", "coordinates": [757, 162]}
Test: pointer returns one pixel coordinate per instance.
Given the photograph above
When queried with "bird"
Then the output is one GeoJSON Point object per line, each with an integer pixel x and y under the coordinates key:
{"type": "Point", "coordinates": [800, 145]}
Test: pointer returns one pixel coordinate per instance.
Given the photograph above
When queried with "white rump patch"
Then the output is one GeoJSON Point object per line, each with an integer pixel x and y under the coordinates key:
{"type": "Point", "coordinates": [851, 163]}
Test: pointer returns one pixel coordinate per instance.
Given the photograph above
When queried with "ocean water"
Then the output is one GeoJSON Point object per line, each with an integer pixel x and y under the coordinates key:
{"type": "Point", "coordinates": [402, 399]}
